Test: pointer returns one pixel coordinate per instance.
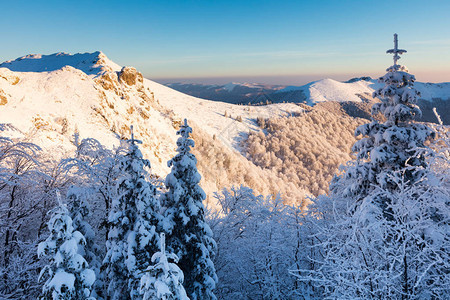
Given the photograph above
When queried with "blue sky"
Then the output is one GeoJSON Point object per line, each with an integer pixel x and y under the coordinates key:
{"type": "Point", "coordinates": [287, 42]}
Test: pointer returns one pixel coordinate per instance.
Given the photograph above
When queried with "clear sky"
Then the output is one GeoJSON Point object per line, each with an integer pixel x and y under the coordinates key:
{"type": "Point", "coordinates": [285, 42]}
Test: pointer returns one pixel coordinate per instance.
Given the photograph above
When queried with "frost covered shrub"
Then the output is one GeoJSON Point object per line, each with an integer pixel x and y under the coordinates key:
{"type": "Point", "coordinates": [28, 178]}
{"type": "Point", "coordinates": [259, 240]}
{"type": "Point", "coordinates": [396, 250]}
{"type": "Point", "coordinates": [223, 168]}
{"type": "Point", "coordinates": [304, 150]}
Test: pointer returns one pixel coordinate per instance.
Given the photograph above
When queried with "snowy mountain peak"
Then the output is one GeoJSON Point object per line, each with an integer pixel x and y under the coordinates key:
{"type": "Point", "coordinates": [96, 63]}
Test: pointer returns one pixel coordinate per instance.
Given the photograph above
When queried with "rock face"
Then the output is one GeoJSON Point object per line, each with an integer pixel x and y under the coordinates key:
{"type": "Point", "coordinates": [130, 76]}
{"type": "Point", "coordinates": [3, 99]}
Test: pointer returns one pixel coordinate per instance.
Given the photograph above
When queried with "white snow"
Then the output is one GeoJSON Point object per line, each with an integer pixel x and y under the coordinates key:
{"type": "Point", "coordinates": [332, 90]}
{"type": "Point", "coordinates": [209, 115]}
{"type": "Point", "coordinates": [90, 63]}
{"type": "Point", "coordinates": [61, 279]}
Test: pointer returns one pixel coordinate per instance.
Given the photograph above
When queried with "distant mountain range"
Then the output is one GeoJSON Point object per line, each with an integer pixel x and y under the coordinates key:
{"type": "Point", "coordinates": [233, 92]}
{"type": "Point", "coordinates": [355, 89]}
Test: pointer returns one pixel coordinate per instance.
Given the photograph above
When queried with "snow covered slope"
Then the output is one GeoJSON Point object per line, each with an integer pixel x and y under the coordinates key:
{"type": "Point", "coordinates": [218, 118]}
{"type": "Point", "coordinates": [356, 90]}
{"type": "Point", "coordinates": [47, 98]}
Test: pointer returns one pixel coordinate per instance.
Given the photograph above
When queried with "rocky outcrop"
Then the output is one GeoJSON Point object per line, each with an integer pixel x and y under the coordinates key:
{"type": "Point", "coordinates": [7, 75]}
{"type": "Point", "coordinates": [130, 76]}
{"type": "Point", "coordinates": [3, 99]}
{"type": "Point", "coordinates": [108, 81]}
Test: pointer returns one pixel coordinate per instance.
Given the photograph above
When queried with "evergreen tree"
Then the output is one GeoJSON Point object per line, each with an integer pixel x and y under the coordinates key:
{"type": "Point", "coordinates": [132, 236]}
{"type": "Point", "coordinates": [383, 230]}
{"type": "Point", "coordinates": [68, 275]}
{"type": "Point", "coordinates": [163, 280]}
{"type": "Point", "coordinates": [78, 198]}
{"type": "Point", "coordinates": [189, 236]}
{"type": "Point", "coordinates": [398, 144]}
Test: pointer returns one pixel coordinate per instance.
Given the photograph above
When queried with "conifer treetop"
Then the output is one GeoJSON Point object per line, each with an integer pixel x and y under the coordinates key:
{"type": "Point", "coordinates": [184, 143]}
{"type": "Point", "coordinates": [189, 236]}
{"type": "Point", "coordinates": [398, 96]}
{"type": "Point", "coordinates": [396, 51]}
{"type": "Point", "coordinates": [133, 141]}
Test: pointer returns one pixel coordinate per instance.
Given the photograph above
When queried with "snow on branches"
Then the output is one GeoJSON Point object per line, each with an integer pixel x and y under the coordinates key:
{"type": "Point", "coordinates": [133, 221]}
{"type": "Point", "coordinates": [67, 275]}
{"type": "Point", "coordinates": [189, 236]}
{"type": "Point", "coordinates": [163, 279]}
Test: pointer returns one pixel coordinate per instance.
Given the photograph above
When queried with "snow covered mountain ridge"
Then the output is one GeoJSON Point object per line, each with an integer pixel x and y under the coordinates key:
{"type": "Point", "coordinates": [358, 89]}
{"type": "Point", "coordinates": [355, 89]}
{"type": "Point", "coordinates": [95, 63]}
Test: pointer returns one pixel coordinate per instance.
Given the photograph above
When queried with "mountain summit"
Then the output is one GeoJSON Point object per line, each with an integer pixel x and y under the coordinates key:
{"type": "Point", "coordinates": [95, 63]}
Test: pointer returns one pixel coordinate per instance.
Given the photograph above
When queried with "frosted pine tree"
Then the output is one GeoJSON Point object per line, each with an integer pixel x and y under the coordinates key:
{"type": "Point", "coordinates": [383, 229]}
{"type": "Point", "coordinates": [78, 200]}
{"type": "Point", "coordinates": [67, 274]}
{"type": "Point", "coordinates": [163, 280]}
{"type": "Point", "coordinates": [132, 236]}
{"type": "Point", "coordinates": [189, 236]}
{"type": "Point", "coordinates": [398, 144]}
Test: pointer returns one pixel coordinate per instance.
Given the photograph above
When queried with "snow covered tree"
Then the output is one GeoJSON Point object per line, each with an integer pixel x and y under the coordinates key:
{"type": "Point", "coordinates": [78, 200]}
{"type": "Point", "coordinates": [68, 275]}
{"type": "Point", "coordinates": [96, 170]}
{"type": "Point", "coordinates": [383, 230]}
{"type": "Point", "coordinates": [398, 144]}
{"type": "Point", "coordinates": [97, 165]}
{"type": "Point", "coordinates": [18, 171]}
{"type": "Point", "coordinates": [133, 219]}
{"type": "Point", "coordinates": [163, 280]}
{"type": "Point", "coordinates": [189, 236]}
{"type": "Point", "coordinates": [257, 239]}
{"type": "Point", "coordinates": [20, 176]}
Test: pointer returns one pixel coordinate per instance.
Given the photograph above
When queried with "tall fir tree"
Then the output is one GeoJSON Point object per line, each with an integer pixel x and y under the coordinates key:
{"type": "Point", "coordinates": [398, 144]}
{"type": "Point", "coordinates": [163, 280]}
{"type": "Point", "coordinates": [67, 274]}
{"type": "Point", "coordinates": [382, 232]}
{"type": "Point", "coordinates": [188, 234]}
{"type": "Point", "coordinates": [133, 219]}
{"type": "Point", "coordinates": [78, 201]}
